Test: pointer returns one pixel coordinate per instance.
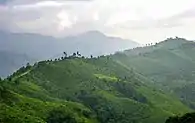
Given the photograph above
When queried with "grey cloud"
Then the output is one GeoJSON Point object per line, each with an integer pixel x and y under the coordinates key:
{"type": "Point", "coordinates": [44, 20]}
{"type": "Point", "coordinates": [169, 22]}
{"type": "Point", "coordinates": [13, 2]}
{"type": "Point", "coordinates": [149, 24]}
{"type": "Point", "coordinates": [4, 1]}
{"type": "Point", "coordinates": [186, 14]}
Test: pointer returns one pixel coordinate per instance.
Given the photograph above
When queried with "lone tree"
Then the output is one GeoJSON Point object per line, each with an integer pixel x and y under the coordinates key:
{"type": "Point", "coordinates": [65, 54]}
{"type": "Point", "coordinates": [28, 66]}
{"type": "Point", "coordinates": [78, 54]}
{"type": "Point", "coordinates": [91, 56]}
{"type": "Point", "coordinates": [74, 54]}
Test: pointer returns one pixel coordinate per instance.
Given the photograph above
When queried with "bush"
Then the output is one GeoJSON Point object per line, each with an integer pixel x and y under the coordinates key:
{"type": "Point", "coordinates": [60, 116]}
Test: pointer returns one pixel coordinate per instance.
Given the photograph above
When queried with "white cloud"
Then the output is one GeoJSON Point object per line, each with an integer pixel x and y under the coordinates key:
{"type": "Point", "coordinates": [142, 20]}
{"type": "Point", "coordinates": [64, 20]}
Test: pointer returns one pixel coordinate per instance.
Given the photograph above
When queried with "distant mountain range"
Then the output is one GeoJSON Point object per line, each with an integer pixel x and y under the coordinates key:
{"type": "Point", "coordinates": [10, 62]}
{"type": "Point", "coordinates": [44, 47]}
{"type": "Point", "coordinates": [39, 47]}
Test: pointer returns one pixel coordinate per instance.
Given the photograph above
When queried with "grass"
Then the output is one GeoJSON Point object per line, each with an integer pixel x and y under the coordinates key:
{"type": "Point", "coordinates": [98, 90]}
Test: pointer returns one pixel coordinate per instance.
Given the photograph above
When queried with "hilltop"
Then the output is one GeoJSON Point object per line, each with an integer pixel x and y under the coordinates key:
{"type": "Point", "coordinates": [170, 64]}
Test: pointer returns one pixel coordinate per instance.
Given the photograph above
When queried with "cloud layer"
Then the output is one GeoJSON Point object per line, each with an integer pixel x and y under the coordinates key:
{"type": "Point", "coordinates": [141, 20]}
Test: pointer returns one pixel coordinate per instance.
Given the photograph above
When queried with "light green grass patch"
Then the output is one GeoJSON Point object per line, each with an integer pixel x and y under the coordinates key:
{"type": "Point", "coordinates": [108, 78]}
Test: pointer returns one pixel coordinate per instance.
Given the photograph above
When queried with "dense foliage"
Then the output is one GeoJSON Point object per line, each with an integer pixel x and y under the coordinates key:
{"type": "Point", "coordinates": [187, 118]}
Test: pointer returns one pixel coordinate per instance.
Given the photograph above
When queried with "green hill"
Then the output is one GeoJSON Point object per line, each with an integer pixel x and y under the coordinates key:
{"type": "Point", "coordinates": [81, 90]}
{"type": "Point", "coordinates": [170, 64]}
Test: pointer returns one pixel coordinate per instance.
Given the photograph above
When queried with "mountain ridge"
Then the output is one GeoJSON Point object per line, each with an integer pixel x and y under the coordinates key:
{"type": "Point", "coordinates": [41, 47]}
{"type": "Point", "coordinates": [170, 64]}
{"type": "Point", "coordinates": [112, 92]}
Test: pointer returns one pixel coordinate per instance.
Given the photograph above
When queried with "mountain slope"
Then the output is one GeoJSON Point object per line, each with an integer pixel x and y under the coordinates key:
{"type": "Point", "coordinates": [39, 47]}
{"type": "Point", "coordinates": [89, 43]}
{"type": "Point", "coordinates": [171, 64]}
{"type": "Point", "coordinates": [106, 90]}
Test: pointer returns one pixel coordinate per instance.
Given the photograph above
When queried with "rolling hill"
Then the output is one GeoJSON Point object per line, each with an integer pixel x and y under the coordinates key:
{"type": "Point", "coordinates": [83, 90]}
{"type": "Point", "coordinates": [170, 64]}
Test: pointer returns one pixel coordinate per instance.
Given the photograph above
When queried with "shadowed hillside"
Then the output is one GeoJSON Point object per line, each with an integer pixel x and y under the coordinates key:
{"type": "Point", "coordinates": [170, 64]}
{"type": "Point", "coordinates": [187, 118]}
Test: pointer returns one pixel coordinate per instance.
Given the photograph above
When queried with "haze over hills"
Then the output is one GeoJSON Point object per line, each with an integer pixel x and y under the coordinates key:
{"type": "Point", "coordinates": [141, 85]}
{"type": "Point", "coordinates": [44, 47]}
{"type": "Point", "coordinates": [60, 61]}
{"type": "Point", "coordinates": [10, 62]}
{"type": "Point", "coordinates": [39, 47]}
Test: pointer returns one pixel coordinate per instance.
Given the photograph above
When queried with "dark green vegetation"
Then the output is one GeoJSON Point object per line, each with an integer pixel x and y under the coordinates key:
{"type": "Point", "coordinates": [137, 86]}
{"type": "Point", "coordinates": [187, 118]}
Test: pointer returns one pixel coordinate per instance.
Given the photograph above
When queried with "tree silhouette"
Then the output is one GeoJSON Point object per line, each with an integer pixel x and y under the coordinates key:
{"type": "Point", "coordinates": [74, 54]}
{"type": "Point", "coordinates": [91, 56]}
{"type": "Point", "coordinates": [28, 66]}
{"type": "Point", "coordinates": [65, 54]}
{"type": "Point", "coordinates": [78, 54]}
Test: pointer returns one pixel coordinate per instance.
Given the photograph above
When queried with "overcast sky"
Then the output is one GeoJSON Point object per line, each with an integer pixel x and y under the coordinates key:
{"type": "Point", "coordinates": [139, 20]}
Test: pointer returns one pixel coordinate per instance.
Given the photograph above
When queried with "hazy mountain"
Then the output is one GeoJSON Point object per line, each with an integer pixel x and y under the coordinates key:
{"type": "Point", "coordinates": [39, 47]}
{"type": "Point", "coordinates": [10, 62]}
{"type": "Point", "coordinates": [44, 47]}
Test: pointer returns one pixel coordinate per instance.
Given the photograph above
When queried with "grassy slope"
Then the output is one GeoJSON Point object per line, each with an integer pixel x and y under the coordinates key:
{"type": "Point", "coordinates": [110, 91]}
{"type": "Point", "coordinates": [26, 102]}
{"type": "Point", "coordinates": [171, 64]}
